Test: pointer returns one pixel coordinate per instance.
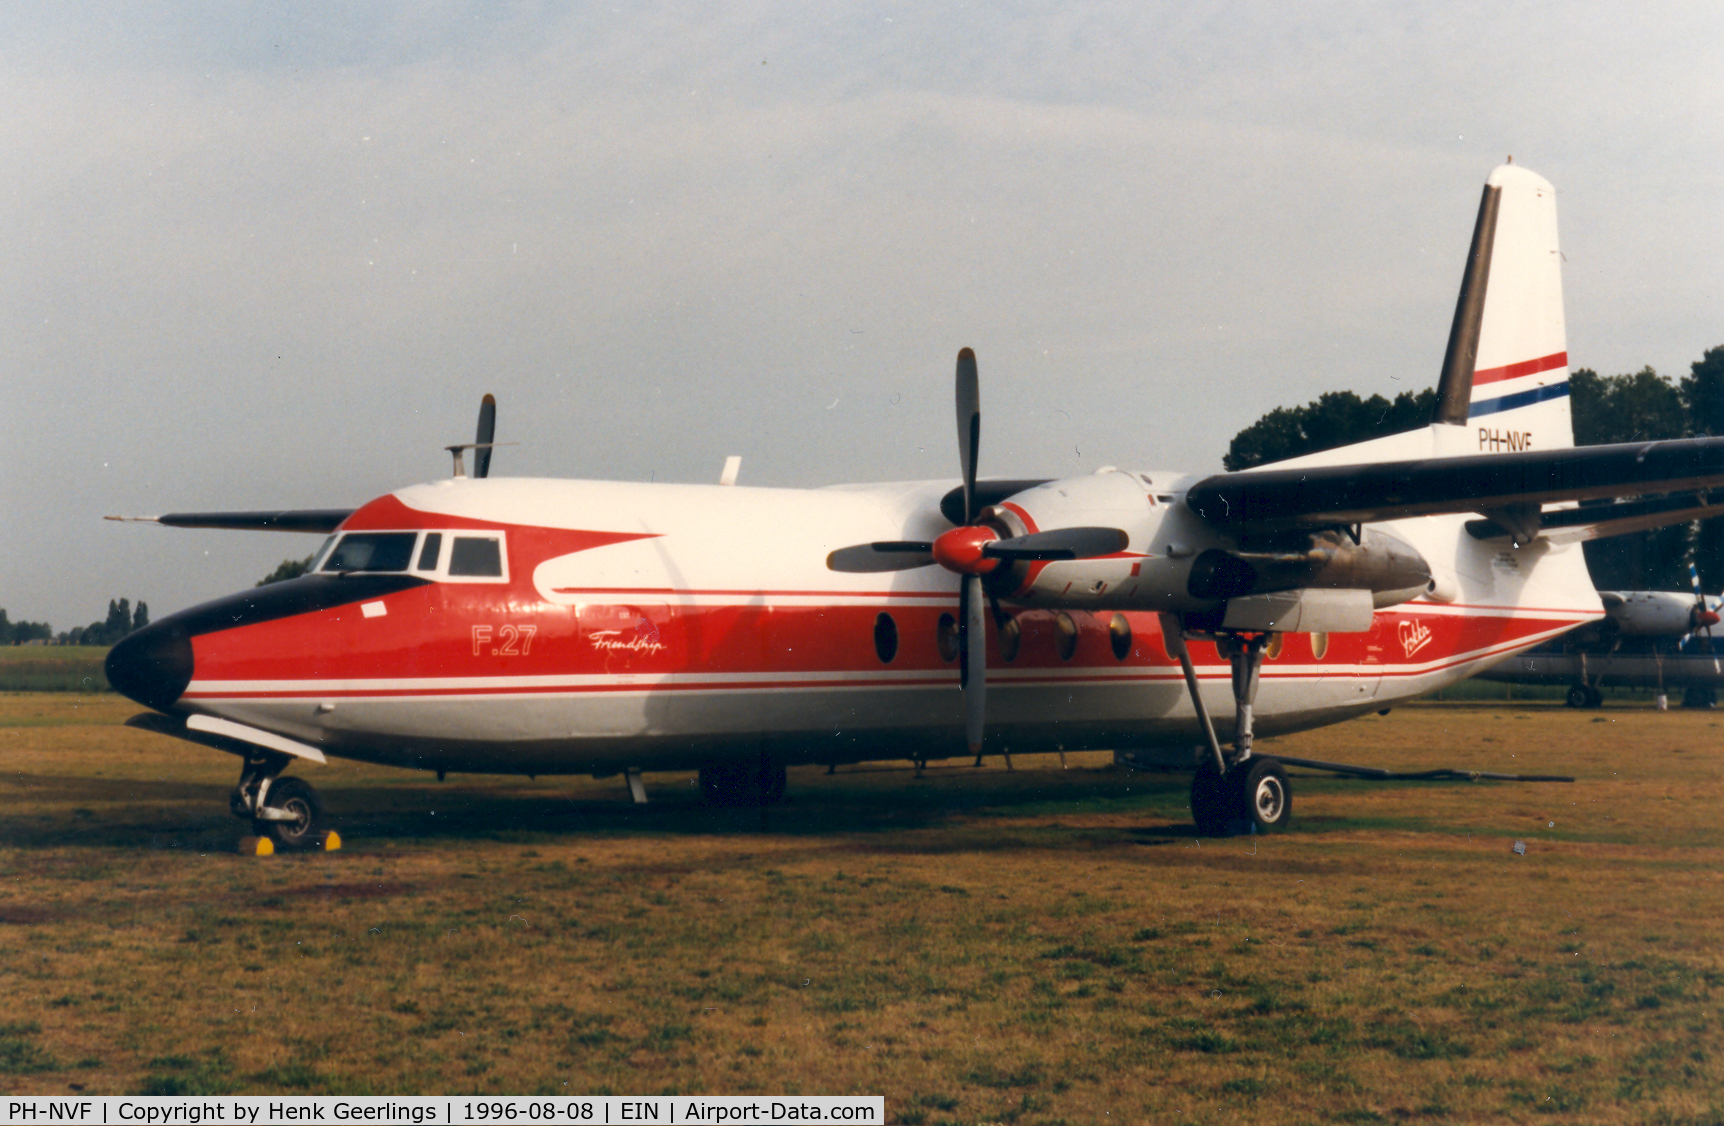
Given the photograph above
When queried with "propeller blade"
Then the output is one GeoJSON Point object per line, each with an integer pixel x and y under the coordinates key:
{"type": "Point", "coordinates": [871, 558]}
{"type": "Point", "coordinates": [482, 439]}
{"type": "Point", "coordinates": [1061, 543]}
{"type": "Point", "coordinates": [973, 648]}
{"type": "Point", "coordinates": [969, 428]}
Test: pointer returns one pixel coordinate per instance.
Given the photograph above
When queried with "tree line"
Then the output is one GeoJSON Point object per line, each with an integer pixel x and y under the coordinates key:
{"type": "Point", "coordinates": [121, 620]}
{"type": "Point", "coordinates": [1643, 406]}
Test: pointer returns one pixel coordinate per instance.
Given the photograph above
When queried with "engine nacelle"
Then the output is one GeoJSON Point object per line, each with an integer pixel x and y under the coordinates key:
{"type": "Point", "coordinates": [1648, 613]}
{"type": "Point", "coordinates": [1176, 562]}
{"type": "Point", "coordinates": [1382, 563]}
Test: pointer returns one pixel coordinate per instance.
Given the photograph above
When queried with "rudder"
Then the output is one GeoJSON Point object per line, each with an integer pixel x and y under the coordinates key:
{"type": "Point", "coordinates": [1505, 375]}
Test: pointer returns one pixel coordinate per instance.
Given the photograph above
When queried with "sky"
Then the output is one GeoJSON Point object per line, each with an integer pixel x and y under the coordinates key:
{"type": "Point", "coordinates": [270, 255]}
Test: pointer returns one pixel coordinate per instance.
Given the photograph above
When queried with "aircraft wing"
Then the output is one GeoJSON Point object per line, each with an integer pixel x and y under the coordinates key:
{"type": "Point", "coordinates": [324, 520]}
{"type": "Point", "coordinates": [1509, 489]}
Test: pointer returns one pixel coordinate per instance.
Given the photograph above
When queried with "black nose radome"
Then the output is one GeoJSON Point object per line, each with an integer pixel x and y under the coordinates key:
{"type": "Point", "coordinates": [153, 665]}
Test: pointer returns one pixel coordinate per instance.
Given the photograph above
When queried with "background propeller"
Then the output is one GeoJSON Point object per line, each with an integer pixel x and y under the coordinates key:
{"type": "Point", "coordinates": [1701, 617]}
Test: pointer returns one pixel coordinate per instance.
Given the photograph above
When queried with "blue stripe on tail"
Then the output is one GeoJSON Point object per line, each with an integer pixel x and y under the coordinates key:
{"type": "Point", "coordinates": [1519, 399]}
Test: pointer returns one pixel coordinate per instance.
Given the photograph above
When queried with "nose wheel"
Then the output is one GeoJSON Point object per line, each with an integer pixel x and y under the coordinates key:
{"type": "Point", "coordinates": [294, 812]}
{"type": "Point", "coordinates": [286, 810]}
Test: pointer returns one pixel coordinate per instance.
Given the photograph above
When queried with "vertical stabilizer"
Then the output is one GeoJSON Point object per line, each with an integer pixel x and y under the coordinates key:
{"type": "Point", "coordinates": [1505, 375]}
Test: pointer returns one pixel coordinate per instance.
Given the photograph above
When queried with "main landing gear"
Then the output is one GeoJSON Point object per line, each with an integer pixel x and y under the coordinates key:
{"type": "Point", "coordinates": [1584, 696]}
{"type": "Point", "coordinates": [285, 810]}
{"type": "Point", "coordinates": [748, 782]}
{"type": "Point", "coordinates": [1237, 790]}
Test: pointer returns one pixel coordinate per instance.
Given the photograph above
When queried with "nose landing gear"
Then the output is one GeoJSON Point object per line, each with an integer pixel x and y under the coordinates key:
{"type": "Point", "coordinates": [287, 811]}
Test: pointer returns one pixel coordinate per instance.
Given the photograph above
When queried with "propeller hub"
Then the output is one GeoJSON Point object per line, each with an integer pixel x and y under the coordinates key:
{"type": "Point", "coordinates": [960, 550]}
{"type": "Point", "coordinates": [1704, 619]}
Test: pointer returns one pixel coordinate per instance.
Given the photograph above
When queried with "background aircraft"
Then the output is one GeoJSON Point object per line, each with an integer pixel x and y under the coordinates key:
{"type": "Point", "coordinates": [540, 626]}
{"type": "Point", "coordinates": [1656, 639]}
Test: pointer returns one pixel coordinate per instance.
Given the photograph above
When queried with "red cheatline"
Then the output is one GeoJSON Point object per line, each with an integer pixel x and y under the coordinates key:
{"type": "Point", "coordinates": [1525, 367]}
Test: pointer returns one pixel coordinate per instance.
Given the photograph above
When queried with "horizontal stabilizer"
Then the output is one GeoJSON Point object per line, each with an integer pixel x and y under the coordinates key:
{"type": "Point", "coordinates": [1489, 484]}
{"type": "Point", "coordinates": [320, 520]}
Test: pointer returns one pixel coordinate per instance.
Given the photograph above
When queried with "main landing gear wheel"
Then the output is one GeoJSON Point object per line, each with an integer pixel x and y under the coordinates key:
{"type": "Point", "coordinates": [1265, 793]}
{"type": "Point", "coordinates": [1580, 696]}
{"type": "Point", "coordinates": [744, 783]}
{"type": "Point", "coordinates": [1212, 804]}
{"type": "Point", "coordinates": [304, 826]}
{"type": "Point", "coordinates": [1255, 792]}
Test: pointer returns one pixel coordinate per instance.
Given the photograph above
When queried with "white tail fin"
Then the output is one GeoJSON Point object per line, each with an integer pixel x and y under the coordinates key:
{"type": "Point", "coordinates": [1505, 377]}
{"type": "Point", "coordinates": [1504, 385]}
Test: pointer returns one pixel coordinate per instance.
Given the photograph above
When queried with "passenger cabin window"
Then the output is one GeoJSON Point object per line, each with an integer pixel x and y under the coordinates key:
{"type": "Point", "coordinates": [432, 549]}
{"type": "Point", "coordinates": [885, 638]}
{"type": "Point", "coordinates": [372, 551]}
{"type": "Point", "coordinates": [476, 556]}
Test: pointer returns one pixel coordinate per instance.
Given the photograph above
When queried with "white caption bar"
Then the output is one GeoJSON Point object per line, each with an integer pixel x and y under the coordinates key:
{"type": "Point", "coordinates": [259, 1110]}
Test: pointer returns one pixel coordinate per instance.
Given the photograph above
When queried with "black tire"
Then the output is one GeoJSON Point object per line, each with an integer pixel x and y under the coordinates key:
{"type": "Point", "coordinates": [717, 782]}
{"type": "Point", "coordinates": [746, 783]}
{"type": "Point", "coordinates": [1266, 794]}
{"type": "Point", "coordinates": [773, 779]}
{"type": "Point", "coordinates": [1214, 802]}
{"type": "Point", "coordinates": [1595, 698]}
{"type": "Point", "coordinates": [298, 798]}
{"type": "Point", "coordinates": [1580, 696]}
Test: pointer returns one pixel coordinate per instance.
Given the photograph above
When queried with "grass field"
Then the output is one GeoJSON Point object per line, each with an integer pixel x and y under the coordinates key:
{"type": "Point", "coordinates": [53, 668]}
{"type": "Point", "coordinates": [1038, 946]}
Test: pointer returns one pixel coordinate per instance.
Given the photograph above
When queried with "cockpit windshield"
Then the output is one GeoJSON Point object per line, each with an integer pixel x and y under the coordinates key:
{"type": "Point", "coordinates": [443, 556]}
{"type": "Point", "coordinates": [322, 553]}
{"type": "Point", "coordinates": [372, 551]}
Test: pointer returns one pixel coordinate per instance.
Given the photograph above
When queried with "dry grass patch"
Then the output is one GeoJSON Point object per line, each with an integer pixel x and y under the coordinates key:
{"type": "Point", "coordinates": [1037, 946]}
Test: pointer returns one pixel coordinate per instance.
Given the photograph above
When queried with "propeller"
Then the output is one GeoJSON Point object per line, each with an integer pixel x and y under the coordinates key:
{"type": "Point", "coordinates": [482, 443]}
{"type": "Point", "coordinates": [1701, 617]}
{"type": "Point", "coordinates": [963, 550]}
{"type": "Point", "coordinates": [974, 549]}
{"type": "Point", "coordinates": [482, 437]}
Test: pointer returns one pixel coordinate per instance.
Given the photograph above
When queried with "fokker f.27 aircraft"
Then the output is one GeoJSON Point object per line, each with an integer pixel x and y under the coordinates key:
{"type": "Point", "coordinates": [489, 625]}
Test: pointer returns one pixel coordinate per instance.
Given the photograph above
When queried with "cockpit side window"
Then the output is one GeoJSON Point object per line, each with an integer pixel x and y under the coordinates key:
{"type": "Point", "coordinates": [322, 554]}
{"type": "Point", "coordinates": [476, 556]}
{"type": "Point", "coordinates": [372, 551]}
{"type": "Point", "coordinates": [428, 554]}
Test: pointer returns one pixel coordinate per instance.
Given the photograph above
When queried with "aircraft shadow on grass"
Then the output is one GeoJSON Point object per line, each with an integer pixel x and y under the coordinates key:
{"type": "Point", "coordinates": [53, 811]}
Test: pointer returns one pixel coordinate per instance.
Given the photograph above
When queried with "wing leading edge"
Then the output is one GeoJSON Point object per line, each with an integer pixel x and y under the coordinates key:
{"type": "Point", "coordinates": [1508, 489]}
{"type": "Point", "coordinates": [321, 520]}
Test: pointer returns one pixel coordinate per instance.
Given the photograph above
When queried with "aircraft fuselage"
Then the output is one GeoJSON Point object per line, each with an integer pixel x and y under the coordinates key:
{"type": "Point", "coordinates": [548, 626]}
